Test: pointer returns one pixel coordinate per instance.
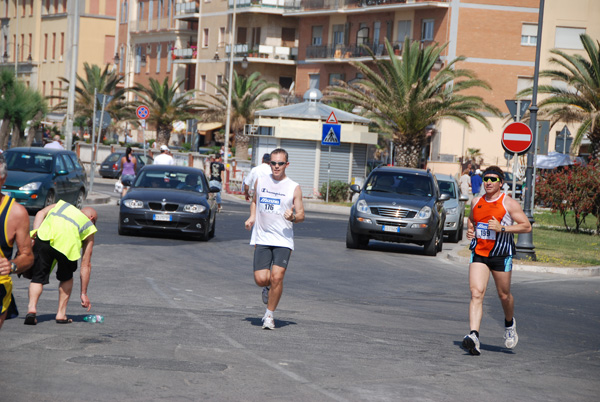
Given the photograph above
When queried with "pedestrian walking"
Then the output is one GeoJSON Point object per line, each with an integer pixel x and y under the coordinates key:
{"type": "Point", "coordinates": [465, 184]}
{"type": "Point", "coordinates": [476, 183]}
{"type": "Point", "coordinates": [217, 178]}
{"type": "Point", "coordinates": [129, 164]}
{"type": "Point", "coordinates": [276, 206]}
{"type": "Point", "coordinates": [61, 232]}
{"type": "Point", "coordinates": [55, 144]}
{"type": "Point", "coordinates": [264, 169]}
{"type": "Point", "coordinates": [15, 221]}
{"type": "Point", "coordinates": [164, 158]}
{"type": "Point", "coordinates": [492, 223]}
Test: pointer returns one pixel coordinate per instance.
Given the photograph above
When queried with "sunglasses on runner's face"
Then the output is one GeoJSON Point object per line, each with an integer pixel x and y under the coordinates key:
{"type": "Point", "coordinates": [491, 178]}
{"type": "Point", "coordinates": [273, 163]}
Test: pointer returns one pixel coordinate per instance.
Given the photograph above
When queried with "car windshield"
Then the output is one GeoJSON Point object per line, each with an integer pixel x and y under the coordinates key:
{"type": "Point", "coordinates": [447, 187]}
{"type": "Point", "coordinates": [29, 162]}
{"type": "Point", "coordinates": [391, 182]}
{"type": "Point", "coordinates": [112, 158]}
{"type": "Point", "coordinates": [170, 180]}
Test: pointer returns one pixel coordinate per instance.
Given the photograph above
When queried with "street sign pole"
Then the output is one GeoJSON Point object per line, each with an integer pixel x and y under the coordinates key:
{"type": "Point", "coordinates": [328, 174]}
{"type": "Point", "coordinates": [525, 247]}
{"type": "Point", "coordinates": [516, 160]}
{"type": "Point", "coordinates": [92, 167]}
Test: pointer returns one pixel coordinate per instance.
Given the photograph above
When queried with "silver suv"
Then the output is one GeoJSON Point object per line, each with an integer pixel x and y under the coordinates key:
{"type": "Point", "coordinates": [399, 205]}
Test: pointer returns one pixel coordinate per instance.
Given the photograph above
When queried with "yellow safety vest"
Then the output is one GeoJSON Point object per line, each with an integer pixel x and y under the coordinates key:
{"type": "Point", "coordinates": [66, 227]}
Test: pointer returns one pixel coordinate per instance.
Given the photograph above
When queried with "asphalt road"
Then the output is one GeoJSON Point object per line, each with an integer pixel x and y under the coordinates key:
{"type": "Point", "coordinates": [182, 322]}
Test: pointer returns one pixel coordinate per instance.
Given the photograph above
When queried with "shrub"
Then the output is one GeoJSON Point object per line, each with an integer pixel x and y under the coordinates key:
{"type": "Point", "coordinates": [338, 191]}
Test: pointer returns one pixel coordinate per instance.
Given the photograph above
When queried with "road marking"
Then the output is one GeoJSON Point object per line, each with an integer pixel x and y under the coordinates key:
{"type": "Point", "coordinates": [241, 347]}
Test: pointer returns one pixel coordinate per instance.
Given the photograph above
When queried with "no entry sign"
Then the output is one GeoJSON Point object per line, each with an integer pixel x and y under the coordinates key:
{"type": "Point", "coordinates": [517, 138]}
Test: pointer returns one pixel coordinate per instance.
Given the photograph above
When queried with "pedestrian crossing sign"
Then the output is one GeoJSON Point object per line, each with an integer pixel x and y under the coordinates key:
{"type": "Point", "coordinates": [331, 134]}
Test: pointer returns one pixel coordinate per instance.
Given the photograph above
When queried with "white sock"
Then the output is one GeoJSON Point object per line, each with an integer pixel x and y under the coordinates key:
{"type": "Point", "coordinates": [268, 313]}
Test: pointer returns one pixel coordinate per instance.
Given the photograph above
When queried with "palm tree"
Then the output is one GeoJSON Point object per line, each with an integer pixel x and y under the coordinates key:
{"type": "Point", "coordinates": [248, 95]}
{"type": "Point", "coordinates": [402, 97]}
{"type": "Point", "coordinates": [578, 99]}
{"type": "Point", "coordinates": [19, 105]}
{"type": "Point", "coordinates": [166, 106]}
{"type": "Point", "coordinates": [100, 81]}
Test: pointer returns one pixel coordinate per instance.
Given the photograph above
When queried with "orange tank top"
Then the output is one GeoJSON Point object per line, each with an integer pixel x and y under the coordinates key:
{"type": "Point", "coordinates": [489, 243]}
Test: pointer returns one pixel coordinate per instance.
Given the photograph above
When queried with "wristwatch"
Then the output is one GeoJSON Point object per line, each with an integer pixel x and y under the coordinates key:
{"type": "Point", "coordinates": [503, 229]}
{"type": "Point", "coordinates": [293, 218]}
{"type": "Point", "coordinates": [13, 268]}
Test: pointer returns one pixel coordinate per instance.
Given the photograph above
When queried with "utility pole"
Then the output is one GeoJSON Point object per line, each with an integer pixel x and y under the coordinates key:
{"type": "Point", "coordinates": [73, 19]}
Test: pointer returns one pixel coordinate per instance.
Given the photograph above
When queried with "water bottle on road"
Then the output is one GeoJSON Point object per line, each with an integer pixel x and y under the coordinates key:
{"type": "Point", "coordinates": [94, 318]}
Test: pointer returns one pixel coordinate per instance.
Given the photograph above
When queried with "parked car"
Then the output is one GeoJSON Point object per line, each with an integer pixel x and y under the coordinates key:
{"type": "Point", "coordinates": [169, 199]}
{"type": "Point", "coordinates": [398, 205]}
{"type": "Point", "coordinates": [111, 166]}
{"type": "Point", "coordinates": [38, 177]}
{"type": "Point", "coordinates": [455, 207]}
{"type": "Point", "coordinates": [508, 179]}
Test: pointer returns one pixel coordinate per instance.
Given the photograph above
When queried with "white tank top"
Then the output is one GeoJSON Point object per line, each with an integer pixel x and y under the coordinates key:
{"type": "Point", "coordinates": [273, 198]}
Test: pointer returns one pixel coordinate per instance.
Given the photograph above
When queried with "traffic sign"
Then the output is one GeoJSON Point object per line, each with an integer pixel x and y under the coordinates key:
{"type": "Point", "coordinates": [331, 134]}
{"type": "Point", "coordinates": [104, 116]}
{"type": "Point", "coordinates": [332, 119]}
{"type": "Point", "coordinates": [104, 99]}
{"type": "Point", "coordinates": [517, 108]}
{"type": "Point", "coordinates": [517, 138]}
{"type": "Point", "coordinates": [142, 112]}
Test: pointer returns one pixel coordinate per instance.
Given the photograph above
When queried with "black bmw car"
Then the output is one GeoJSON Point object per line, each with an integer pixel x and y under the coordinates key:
{"type": "Point", "coordinates": [169, 199]}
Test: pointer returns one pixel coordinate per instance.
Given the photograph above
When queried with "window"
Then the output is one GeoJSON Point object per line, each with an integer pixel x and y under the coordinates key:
{"type": "Point", "coordinates": [256, 38]}
{"type": "Point", "coordinates": [529, 34]}
{"type": "Point", "coordinates": [288, 36]}
{"type": "Point", "coordinates": [205, 32]}
{"type": "Point", "coordinates": [362, 36]}
{"type": "Point", "coordinates": [203, 83]}
{"type": "Point", "coordinates": [121, 56]}
{"type": "Point", "coordinates": [124, 12]}
{"type": "Point", "coordinates": [51, 92]}
{"type": "Point", "coordinates": [427, 30]}
{"type": "Point", "coordinates": [54, 46]}
{"type": "Point", "coordinates": [339, 34]}
{"type": "Point", "coordinates": [150, 12]}
{"type": "Point", "coordinates": [221, 38]}
{"type": "Point", "coordinates": [62, 45]}
{"type": "Point", "coordinates": [314, 81]}
{"type": "Point", "coordinates": [317, 35]}
{"type": "Point", "coordinates": [45, 47]}
{"type": "Point", "coordinates": [286, 82]}
{"type": "Point", "coordinates": [335, 77]}
{"type": "Point", "coordinates": [138, 59]}
{"type": "Point", "coordinates": [169, 57]}
{"type": "Point", "coordinates": [30, 43]}
{"type": "Point", "coordinates": [524, 83]}
{"type": "Point", "coordinates": [31, 8]}
{"type": "Point", "coordinates": [219, 83]}
{"type": "Point", "coordinates": [404, 30]}
{"type": "Point", "coordinates": [376, 32]}
{"type": "Point", "coordinates": [158, 56]}
{"type": "Point", "coordinates": [568, 38]}
{"type": "Point", "coordinates": [44, 88]}
{"type": "Point", "coordinates": [141, 12]}
{"type": "Point", "coordinates": [242, 33]}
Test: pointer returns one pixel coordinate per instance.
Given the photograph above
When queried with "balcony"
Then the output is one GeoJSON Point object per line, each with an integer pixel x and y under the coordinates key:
{"type": "Point", "coordinates": [272, 6]}
{"type": "Point", "coordinates": [338, 53]}
{"type": "Point", "coordinates": [188, 11]}
{"type": "Point", "coordinates": [267, 53]}
{"type": "Point", "coordinates": [186, 54]}
{"type": "Point", "coordinates": [159, 24]}
{"type": "Point", "coordinates": [300, 6]}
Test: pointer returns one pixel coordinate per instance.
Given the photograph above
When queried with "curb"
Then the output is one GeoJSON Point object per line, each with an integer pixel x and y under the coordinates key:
{"type": "Point", "coordinates": [583, 271]}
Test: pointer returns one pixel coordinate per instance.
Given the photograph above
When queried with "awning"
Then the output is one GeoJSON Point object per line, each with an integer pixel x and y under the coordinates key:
{"type": "Point", "coordinates": [552, 160]}
{"type": "Point", "coordinates": [208, 126]}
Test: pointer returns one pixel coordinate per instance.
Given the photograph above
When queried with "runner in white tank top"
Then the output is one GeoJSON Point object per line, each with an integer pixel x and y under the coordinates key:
{"type": "Point", "coordinates": [275, 208]}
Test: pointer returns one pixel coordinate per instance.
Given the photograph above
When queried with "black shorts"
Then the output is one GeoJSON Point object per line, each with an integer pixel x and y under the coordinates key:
{"type": "Point", "coordinates": [266, 256]}
{"type": "Point", "coordinates": [45, 256]}
{"type": "Point", "coordinates": [499, 264]}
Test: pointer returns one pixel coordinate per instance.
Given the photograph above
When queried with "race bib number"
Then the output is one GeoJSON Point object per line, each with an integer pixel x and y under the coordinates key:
{"type": "Point", "coordinates": [483, 232]}
{"type": "Point", "coordinates": [269, 205]}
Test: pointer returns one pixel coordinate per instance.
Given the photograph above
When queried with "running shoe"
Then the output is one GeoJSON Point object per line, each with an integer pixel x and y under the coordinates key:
{"type": "Point", "coordinates": [268, 322]}
{"type": "Point", "coordinates": [510, 335]}
{"type": "Point", "coordinates": [471, 343]}
{"type": "Point", "coordinates": [265, 294]}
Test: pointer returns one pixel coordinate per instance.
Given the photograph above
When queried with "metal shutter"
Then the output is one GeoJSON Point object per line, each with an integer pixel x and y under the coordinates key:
{"type": "Point", "coordinates": [302, 164]}
{"type": "Point", "coordinates": [359, 160]}
{"type": "Point", "coordinates": [340, 162]}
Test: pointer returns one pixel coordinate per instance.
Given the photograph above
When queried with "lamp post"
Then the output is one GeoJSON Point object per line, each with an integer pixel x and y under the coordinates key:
{"type": "Point", "coordinates": [74, 27]}
{"type": "Point", "coordinates": [524, 246]}
{"type": "Point", "coordinates": [230, 86]}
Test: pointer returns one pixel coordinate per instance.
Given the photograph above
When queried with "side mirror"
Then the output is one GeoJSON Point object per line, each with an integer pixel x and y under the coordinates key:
{"type": "Point", "coordinates": [463, 198]}
{"type": "Point", "coordinates": [62, 173]}
{"type": "Point", "coordinates": [355, 188]}
{"type": "Point", "coordinates": [444, 197]}
{"type": "Point", "coordinates": [214, 189]}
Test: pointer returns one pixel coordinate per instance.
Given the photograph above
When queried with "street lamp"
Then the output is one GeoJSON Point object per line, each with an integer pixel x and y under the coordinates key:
{"type": "Point", "coordinates": [245, 62]}
{"type": "Point", "coordinates": [216, 57]}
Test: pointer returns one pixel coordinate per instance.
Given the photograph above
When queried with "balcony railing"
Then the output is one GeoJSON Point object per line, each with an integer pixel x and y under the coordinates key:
{"type": "Point", "coordinates": [155, 24]}
{"type": "Point", "coordinates": [184, 54]}
{"type": "Point", "coordinates": [350, 51]}
{"type": "Point", "coordinates": [265, 52]}
{"type": "Point", "coordinates": [241, 4]}
{"type": "Point", "coordinates": [305, 5]}
{"type": "Point", "coordinates": [187, 8]}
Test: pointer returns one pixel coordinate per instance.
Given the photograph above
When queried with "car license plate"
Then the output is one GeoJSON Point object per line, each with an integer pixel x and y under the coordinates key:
{"type": "Point", "coordinates": [391, 229]}
{"type": "Point", "coordinates": [162, 217]}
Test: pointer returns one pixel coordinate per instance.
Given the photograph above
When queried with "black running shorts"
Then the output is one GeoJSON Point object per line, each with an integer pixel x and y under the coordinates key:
{"type": "Point", "coordinates": [265, 256]}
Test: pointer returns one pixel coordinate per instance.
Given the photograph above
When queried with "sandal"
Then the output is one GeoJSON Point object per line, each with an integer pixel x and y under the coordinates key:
{"type": "Point", "coordinates": [30, 319]}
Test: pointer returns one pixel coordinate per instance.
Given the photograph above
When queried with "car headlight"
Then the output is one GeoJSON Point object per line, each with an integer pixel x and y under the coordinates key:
{"type": "Point", "coordinates": [31, 186]}
{"type": "Point", "coordinates": [133, 203]}
{"type": "Point", "coordinates": [452, 211]}
{"type": "Point", "coordinates": [361, 206]}
{"type": "Point", "coordinates": [194, 208]}
{"type": "Point", "coordinates": [424, 213]}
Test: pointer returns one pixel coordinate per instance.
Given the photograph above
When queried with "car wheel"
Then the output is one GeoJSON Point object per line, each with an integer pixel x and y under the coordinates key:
{"type": "Point", "coordinates": [461, 229]}
{"type": "Point", "coordinates": [205, 235]}
{"type": "Point", "coordinates": [80, 199]}
{"type": "Point", "coordinates": [431, 246]}
{"type": "Point", "coordinates": [440, 241]}
{"type": "Point", "coordinates": [454, 237]}
{"type": "Point", "coordinates": [354, 240]}
{"type": "Point", "coordinates": [50, 197]}
{"type": "Point", "coordinates": [122, 231]}
{"type": "Point", "coordinates": [211, 234]}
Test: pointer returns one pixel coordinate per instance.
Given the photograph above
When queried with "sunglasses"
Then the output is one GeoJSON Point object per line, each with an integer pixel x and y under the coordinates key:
{"type": "Point", "coordinates": [492, 179]}
{"type": "Point", "coordinates": [273, 163]}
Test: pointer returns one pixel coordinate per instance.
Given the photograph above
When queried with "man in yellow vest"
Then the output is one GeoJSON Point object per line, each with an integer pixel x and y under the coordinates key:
{"type": "Point", "coordinates": [14, 229]}
{"type": "Point", "coordinates": [61, 233]}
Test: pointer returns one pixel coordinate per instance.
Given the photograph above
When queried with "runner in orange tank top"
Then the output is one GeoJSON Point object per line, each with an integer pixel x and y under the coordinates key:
{"type": "Point", "coordinates": [494, 219]}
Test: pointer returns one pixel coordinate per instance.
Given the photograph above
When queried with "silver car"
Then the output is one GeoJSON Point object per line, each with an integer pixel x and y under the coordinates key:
{"type": "Point", "coordinates": [455, 207]}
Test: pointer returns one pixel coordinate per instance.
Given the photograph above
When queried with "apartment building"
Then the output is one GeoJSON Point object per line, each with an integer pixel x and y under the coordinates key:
{"type": "Point", "coordinates": [35, 35]}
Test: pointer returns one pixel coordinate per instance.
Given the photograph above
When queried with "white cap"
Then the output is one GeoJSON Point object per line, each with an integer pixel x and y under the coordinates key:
{"type": "Point", "coordinates": [163, 147]}
{"type": "Point", "coordinates": [478, 171]}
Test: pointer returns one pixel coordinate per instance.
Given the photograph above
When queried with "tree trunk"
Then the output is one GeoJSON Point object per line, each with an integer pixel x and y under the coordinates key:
{"type": "Point", "coordinates": [241, 146]}
{"type": "Point", "coordinates": [4, 134]}
{"type": "Point", "coordinates": [594, 138]}
{"type": "Point", "coordinates": [31, 132]}
{"type": "Point", "coordinates": [407, 153]}
{"type": "Point", "coordinates": [163, 135]}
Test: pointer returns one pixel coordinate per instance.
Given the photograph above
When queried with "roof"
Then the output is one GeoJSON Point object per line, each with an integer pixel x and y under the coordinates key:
{"type": "Point", "coordinates": [310, 110]}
